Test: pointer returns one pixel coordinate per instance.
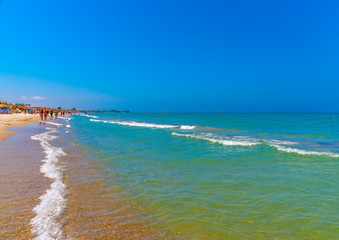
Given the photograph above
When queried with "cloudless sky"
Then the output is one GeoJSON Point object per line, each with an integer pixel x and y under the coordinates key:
{"type": "Point", "coordinates": [176, 56]}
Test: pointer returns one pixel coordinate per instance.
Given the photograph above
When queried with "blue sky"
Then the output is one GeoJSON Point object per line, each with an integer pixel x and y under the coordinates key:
{"type": "Point", "coordinates": [176, 56]}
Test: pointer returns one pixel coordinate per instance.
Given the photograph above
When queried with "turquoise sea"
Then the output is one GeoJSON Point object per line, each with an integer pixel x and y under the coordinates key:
{"type": "Point", "coordinates": [222, 176]}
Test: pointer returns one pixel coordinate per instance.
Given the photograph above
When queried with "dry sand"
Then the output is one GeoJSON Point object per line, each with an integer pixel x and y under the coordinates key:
{"type": "Point", "coordinates": [15, 120]}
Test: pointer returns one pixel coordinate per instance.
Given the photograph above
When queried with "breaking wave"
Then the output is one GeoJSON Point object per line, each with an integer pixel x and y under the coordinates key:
{"type": "Point", "coordinates": [90, 116]}
{"type": "Point", "coordinates": [224, 140]}
{"type": "Point", "coordinates": [187, 127]}
{"type": "Point", "coordinates": [53, 123]}
{"type": "Point", "coordinates": [303, 152]}
{"type": "Point", "coordinates": [281, 145]}
{"type": "Point", "coordinates": [278, 142]}
{"type": "Point", "coordinates": [246, 141]}
{"type": "Point", "coordinates": [65, 118]}
{"type": "Point", "coordinates": [143, 124]}
{"type": "Point", "coordinates": [53, 203]}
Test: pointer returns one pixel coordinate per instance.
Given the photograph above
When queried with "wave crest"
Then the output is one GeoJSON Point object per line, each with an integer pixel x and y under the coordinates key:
{"type": "Point", "coordinates": [303, 152]}
{"type": "Point", "coordinates": [143, 124]}
{"type": "Point", "coordinates": [226, 141]}
{"type": "Point", "coordinates": [90, 116]}
{"type": "Point", "coordinates": [281, 145]}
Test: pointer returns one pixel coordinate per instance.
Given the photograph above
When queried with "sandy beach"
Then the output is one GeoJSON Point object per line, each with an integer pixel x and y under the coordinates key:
{"type": "Point", "coordinates": [8, 121]}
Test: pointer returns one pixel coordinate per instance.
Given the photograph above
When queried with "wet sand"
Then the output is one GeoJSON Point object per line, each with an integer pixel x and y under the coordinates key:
{"type": "Point", "coordinates": [15, 120]}
{"type": "Point", "coordinates": [21, 183]}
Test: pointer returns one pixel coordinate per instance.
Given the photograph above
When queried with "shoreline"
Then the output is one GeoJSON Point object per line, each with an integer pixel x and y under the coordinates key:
{"type": "Point", "coordinates": [22, 213]}
{"type": "Point", "coordinates": [21, 182]}
{"type": "Point", "coordinates": [8, 121]}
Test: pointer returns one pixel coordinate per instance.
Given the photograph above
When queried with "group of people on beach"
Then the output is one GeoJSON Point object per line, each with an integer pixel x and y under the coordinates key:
{"type": "Point", "coordinates": [44, 113]}
{"type": "Point", "coordinates": [29, 111]}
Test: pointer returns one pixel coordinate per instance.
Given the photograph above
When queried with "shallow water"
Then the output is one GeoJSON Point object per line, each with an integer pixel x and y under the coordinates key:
{"type": "Point", "coordinates": [221, 176]}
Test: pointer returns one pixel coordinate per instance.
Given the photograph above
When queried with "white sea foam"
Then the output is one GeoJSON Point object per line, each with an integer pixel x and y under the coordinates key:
{"type": "Point", "coordinates": [90, 116]}
{"type": "Point", "coordinates": [53, 203]}
{"type": "Point", "coordinates": [227, 141]}
{"type": "Point", "coordinates": [279, 142]}
{"type": "Point", "coordinates": [53, 123]}
{"type": "Point", "coordinates": [143, 124]}
{"type": "Point", "coordinates": [140, 124]}
{"type": "Point", "coordinates": [65, 118]}
{"type": "Point", "coordinates": [136, 124]}
{"type": "Point", "coordinates": [68, 126]}
{"type": "Point", "coordinates": [245, 141]}
{"type": "Point", "coordinates": [303, 152]}
{"type": "Point", "coordinates": [187, 127]}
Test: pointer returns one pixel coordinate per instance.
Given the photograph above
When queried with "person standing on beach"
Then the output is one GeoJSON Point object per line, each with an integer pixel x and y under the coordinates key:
{"type": "Point", "coordinates": [56, 114]}
{"type": "Point", "coordinates": [51, 113]}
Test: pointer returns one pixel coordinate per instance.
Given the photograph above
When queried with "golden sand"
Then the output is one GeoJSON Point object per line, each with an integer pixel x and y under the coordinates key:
{"type": "Point", "coordinates": [15, 120]}
{"type": "Point", "coordinates": [21, 185]}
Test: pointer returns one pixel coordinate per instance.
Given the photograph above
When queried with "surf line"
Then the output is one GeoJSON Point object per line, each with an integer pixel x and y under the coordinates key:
{"type": "Point", "coordinates": [52, 204]}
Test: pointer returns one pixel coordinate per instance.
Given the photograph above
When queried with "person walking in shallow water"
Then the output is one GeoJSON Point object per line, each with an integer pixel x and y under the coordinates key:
{"type": "Point", "coordinates": [42, 114]}
{"type": "Point", "coordinates": [45, 114]}
{"type": "Point", "coordinates": [51, 113]}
